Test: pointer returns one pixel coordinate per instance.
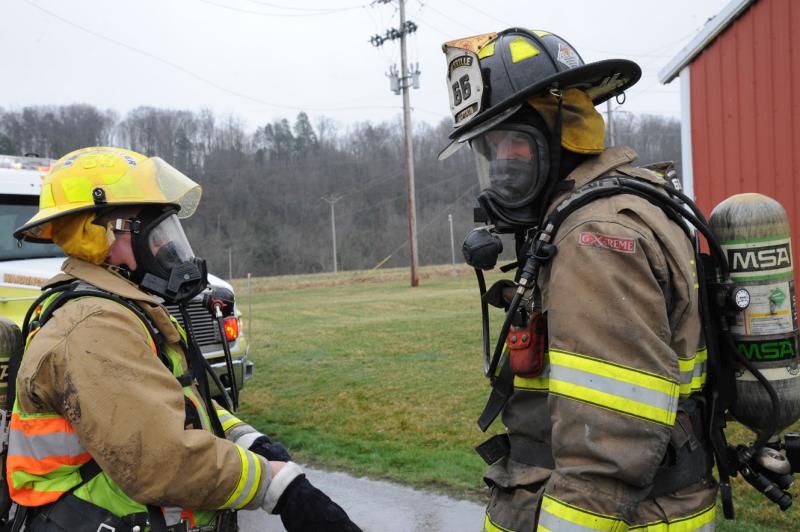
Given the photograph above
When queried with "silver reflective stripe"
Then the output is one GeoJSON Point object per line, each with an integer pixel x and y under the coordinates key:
{"type": "Point", "coordinates": [44, 445]}
{"type": "Point", "coordinates": [172, 515]}
{"type": "Point", "coordinates": [686, 376]}
{"type": "Point", "coordinates": [619, 388]}
{"type": "Point", "coordinates": [227, 416]}
{"type": "Point", "coordinates": [699, 369]}
{"type": "Point", "coordinates": [248, 485]}
{"type": "Point", "coordinates": [557, 524]}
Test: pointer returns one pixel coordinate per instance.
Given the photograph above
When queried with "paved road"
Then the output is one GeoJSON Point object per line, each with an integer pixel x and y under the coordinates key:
{"type": "Point", "coordinates": [379, 506]}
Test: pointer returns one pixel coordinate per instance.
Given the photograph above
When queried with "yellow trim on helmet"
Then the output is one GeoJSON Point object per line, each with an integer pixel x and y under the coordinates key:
{"type": "Point", "coordinates": [486, 51]}
{"type": "Point", "coordinates": [101, 176]}
{"type": "Point", "coordinates": [521, 49]}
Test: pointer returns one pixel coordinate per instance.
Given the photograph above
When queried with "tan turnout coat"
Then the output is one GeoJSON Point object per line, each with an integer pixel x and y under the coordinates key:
{"type": "Point", "coordinates": [93, 363]}
{"type": "Point", "coordinates": [588, 435]}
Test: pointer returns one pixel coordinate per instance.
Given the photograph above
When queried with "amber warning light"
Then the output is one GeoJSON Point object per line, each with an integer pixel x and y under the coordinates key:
{"type": "Point", "coordinates": [231, 328]}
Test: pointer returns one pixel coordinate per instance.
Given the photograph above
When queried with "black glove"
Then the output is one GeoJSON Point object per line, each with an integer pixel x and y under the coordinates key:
{"type": "Point", "coordinates": [270, 450]}
{"type": "Point", "coordinates": [304, 508]}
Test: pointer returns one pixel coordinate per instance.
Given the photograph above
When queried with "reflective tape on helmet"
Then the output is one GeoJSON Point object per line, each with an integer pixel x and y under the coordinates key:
{"type": "Point", "coordinates": [248, 483]}
{"type": "Point", "coordinates": [486, 51]}
{"type": "Point", "coordinates": [613, 387]}
{"type": "Point", "coordinates": [521, 49]}
{"type": "Point", "coordinates": [693, 372]}
{"type": "Point", "coordinates": [557, 516]}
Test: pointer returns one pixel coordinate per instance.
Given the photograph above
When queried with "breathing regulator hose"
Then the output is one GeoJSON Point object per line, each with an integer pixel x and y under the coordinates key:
{"type": "Point", "coordinates": [484, 320]}
{"type": "Point", "coordinates": [540, 252]}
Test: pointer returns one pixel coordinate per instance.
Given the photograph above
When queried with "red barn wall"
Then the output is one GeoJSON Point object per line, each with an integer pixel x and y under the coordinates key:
{"type": "Point", "coordinates": [745, 109]}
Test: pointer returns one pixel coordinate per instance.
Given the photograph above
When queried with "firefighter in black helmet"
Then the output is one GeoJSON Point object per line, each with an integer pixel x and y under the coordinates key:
{"type": "Point", "coordinates": [599, 384]}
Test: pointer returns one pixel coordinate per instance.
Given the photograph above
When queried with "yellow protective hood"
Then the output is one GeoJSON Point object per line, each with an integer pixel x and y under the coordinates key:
{"type": "Point", "coordinates": [582, 127]}
{"type": "Point", "coordinates": [79, 237]}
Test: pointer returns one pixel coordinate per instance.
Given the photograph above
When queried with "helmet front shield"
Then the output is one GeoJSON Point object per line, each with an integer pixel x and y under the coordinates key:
{"type": "Point", "coordinates": [169, 185]}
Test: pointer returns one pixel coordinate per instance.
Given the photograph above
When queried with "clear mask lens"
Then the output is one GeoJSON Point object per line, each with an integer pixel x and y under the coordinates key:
{"type": "Point", "coordinates": [507, 164]}
{"type": "Point", "coordinates": [168, 243]}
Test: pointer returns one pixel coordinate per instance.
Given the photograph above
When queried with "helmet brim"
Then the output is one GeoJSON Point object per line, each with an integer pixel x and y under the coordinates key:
{"type": "Point", "coordinates": [38, 229]}
{"type": "Point", "coordinates": [591, 78]}
{"type": "Point", "coordinates": [483, 127]}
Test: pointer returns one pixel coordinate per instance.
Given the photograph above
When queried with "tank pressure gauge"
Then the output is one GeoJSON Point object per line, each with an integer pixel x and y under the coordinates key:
{"type": "Point", "coordinates": [741, 298]}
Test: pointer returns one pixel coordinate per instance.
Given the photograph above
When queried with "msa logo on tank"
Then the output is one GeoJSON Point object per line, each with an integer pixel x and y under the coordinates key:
{"type": "Point", "coordinates": [755, 261]}
{"type": "Point", "coordinates": [764, 267]}
{"type": "Point", "coordinates": [782, 349]}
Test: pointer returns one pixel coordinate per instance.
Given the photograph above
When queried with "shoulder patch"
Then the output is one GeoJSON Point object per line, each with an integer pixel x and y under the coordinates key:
{"type": "Point", "coordinates": [614, 243]}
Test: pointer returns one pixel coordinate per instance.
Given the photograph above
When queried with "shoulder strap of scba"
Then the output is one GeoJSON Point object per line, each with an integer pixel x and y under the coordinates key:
{"type": "Point", "coordinates": [713, 279]}
{"type": "Point", "coordinates": [37, 315]}
{"type": "Point", "coordinates": [541, 250]}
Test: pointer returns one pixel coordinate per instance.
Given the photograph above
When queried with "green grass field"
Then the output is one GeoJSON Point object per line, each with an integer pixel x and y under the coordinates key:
{"type": "Point", "coordinates": [359, 372]}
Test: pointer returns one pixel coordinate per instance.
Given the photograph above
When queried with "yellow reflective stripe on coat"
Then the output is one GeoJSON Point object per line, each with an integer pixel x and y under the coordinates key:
{"type": "Point", "coordinates": [540, 383]}
{"type": "Point", "coordinates": [693, 372]}
{"type": "Point", "coordinates": [557, 516]}
{"type": "Point", "coordinates": [488, 526]}
{"type": "Point", "coordinates": [248, 481]}
{"type": "Point", "coordinates": [702, 521]}
{"type": "Point", "coordinates": [613, 387]}
{"type": "Point", "coordinates": [227, 419]}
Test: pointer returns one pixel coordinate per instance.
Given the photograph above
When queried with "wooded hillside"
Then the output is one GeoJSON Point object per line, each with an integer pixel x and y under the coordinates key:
{"type": "Point", "coordinates": [263, 189]}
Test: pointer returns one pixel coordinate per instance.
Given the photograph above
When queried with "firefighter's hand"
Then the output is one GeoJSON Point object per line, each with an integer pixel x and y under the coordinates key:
{"type": "Point", "coordinates": [272, 451]}
{"type": "Point", "coordinates": [303, 507]}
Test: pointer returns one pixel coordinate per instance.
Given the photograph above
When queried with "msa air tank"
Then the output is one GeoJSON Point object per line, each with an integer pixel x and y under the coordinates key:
{"type": "Point", "coordinates": [10, 345]}
{"type": "Point", "coordinates": [754, 232]}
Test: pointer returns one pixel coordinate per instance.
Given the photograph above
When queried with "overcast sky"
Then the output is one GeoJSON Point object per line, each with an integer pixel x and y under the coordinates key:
{"type": "Point", "coordinates": [268, 59]}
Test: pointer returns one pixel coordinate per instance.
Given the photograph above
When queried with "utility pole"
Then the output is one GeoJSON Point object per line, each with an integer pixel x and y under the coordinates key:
{"type": "Point", "coordinates": [402, 83]}
{"type": "Point", "coordinates": [331, 200]}
{"type": "Point", "coordinates": [452, 244]}
{"type": "Point", "coordinates": [611, 140]}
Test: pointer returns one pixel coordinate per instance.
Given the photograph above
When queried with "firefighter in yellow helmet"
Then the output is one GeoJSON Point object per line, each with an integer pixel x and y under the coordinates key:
{"type": "Point", "coordinates": [600, 374]}
{"type": "Point", "coordinates": [113, 426]}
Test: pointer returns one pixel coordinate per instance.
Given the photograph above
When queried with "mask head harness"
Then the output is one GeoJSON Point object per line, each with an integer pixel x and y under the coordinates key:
{"type": "Point", "coordinates": [165, 263]}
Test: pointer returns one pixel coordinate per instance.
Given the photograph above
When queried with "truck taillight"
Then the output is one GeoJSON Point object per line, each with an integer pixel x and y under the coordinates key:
{"type": "Point", "coordinates": [231, 328]}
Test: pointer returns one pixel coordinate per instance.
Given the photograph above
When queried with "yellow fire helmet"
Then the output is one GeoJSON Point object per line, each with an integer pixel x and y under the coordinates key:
{"type": "Point", "coordinates": [97, 178]}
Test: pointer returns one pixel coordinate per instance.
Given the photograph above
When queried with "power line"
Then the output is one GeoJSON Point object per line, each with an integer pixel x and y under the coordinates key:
{"type": "Point", "coordinates": [485, 14]}
{"type": "Point", "coordinates": [363, 187]}
{"type": "Point", "coordinates": [192, 74]}
{"type": "Point", "coordinates": [451, 19]}
{"type": "Point", "coordinates": [433, 218]}
{"type": "Point", "coordinates": [308, 9]}
{"type": "Point", "coordinates": [434, 28]}
{"type": "Point", "coordinates": [400, 196]}
{"type": "Point", "coordinates": [272, 15]}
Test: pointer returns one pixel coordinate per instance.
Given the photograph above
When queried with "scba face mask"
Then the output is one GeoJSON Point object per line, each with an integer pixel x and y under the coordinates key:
{"type": "Point", "coordinates": [512, 164]}
{"type": "Point", "coordinates": [166, 264]}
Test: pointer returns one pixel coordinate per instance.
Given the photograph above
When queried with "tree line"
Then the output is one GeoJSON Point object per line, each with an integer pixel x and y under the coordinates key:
{"type": "Point", "coordinates": [262, 204]}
